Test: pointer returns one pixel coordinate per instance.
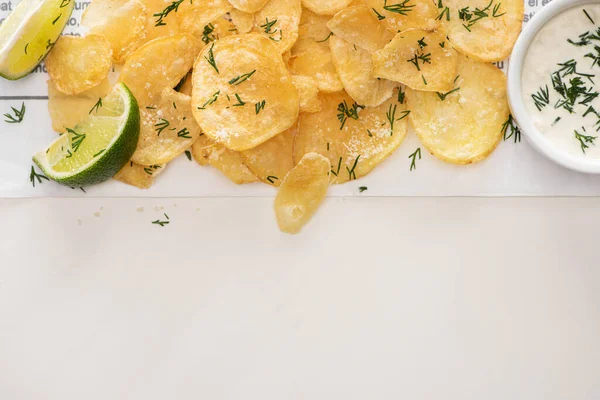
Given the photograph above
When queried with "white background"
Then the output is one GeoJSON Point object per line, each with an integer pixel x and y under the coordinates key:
{"type": "Point", "coordinates": [392, 298]}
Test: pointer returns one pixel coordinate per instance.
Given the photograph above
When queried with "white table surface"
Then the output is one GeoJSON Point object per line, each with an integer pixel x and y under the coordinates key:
{"type": "Point", "coordinates": [397, 298]}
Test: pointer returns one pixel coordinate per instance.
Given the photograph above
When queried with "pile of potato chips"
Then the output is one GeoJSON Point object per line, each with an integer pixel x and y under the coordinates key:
{"type": "Point", "coordinates": [298, 94]}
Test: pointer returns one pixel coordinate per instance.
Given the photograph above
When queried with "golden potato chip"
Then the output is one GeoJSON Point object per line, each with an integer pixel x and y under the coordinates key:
{"type": "Point", "coordinates": [244, 22]}
{"type": "Point", "coordinates": [121, 22]}
{"type": "Point", "coordinates": [399, 15]}
{"type": "Point", "coordinates": [157, 24]}
{"type": "Point", "coordinates": [248, 6]}
{"type": "Point", "coordinates": [302, 192]}
{"type": "Point", "coordinates": [167, 129]}
{"type": "Point", "coordinates": [326, 7]}
{"type": "Point", "coordinates": [279, 20]}
{"type": "Point", "coordinates": [140, 176]}
{"type": "Point", "coordinates": [195, 15]}
{"type": "Point", "coordinates": [66, 110]}
{"type": "Point", "coordinates": [358, 26]}
{"type": "Point", "coordinates": [355, 69]}
{"type": "Point", "coordinates": [462, 126]}
{"type": "Point", "coordinates": [76, 64]}
{"type": "Point", "coordinates": [229, 162]}
{"type": "Point", "coordinates": [312, 27]}
{"type": "Point", "coordinates": [484, 31]}
{"type": "Point", "coordinates": [353, 138]}
{"type": "Point", "coordinates": [317, 62]}
{"type": "Point", "coordinates": [419, 59]}
{"type": "Point", "coordinates": [272, 160]}
{"type": "Point", "coordinates": [160, 63]}
{"type": "Point", "coordinates": [308, 90]}
{"type": "Point", "coordinates": [243, 94]}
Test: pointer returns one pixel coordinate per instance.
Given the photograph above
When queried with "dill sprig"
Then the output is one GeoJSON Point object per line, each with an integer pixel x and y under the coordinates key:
{"type": "Point", "coordinates": [379, 16]}
{"type": "Point", "coordinates": [398, 8]}
{"type": "Point", "coordinates": [585, 140]}
{"type": "Point", "coordinates": [541, 98]}
{"type": "Point", "coordinates": [161, 126]}
{"type": "Point", "coordinates": [511, 130]}
{"type": "Point", "coordinates": [391, 116]}
{"type": "Point", "coordinates": [76, 139]}
{"type": "Point", "coordinates": [472, 17]}
{"type": "Point", "coordinates": [443, 96]}
{"type": "Point", "coordinates": [33, 176]}
{"type": "Point", "coordinates": [352, 171]}
{"type": "Point", "coordinates": [211, 58]}
{"type": "Point", "coordinates": [162, 223]}
{"type": "Point", "coordinates": [213, 99]}
{"type": "Point", "coordinates": [241, 79]}
{"type": "Point", "coordinates": [258, 107]}
{"type": "Point", "coordinates": [18, 117]}
{"type": "Point", "coordinates": [413, 158]}
{"type": "Point", "coordinates": [420, 57]}
{"type": "Point", "coordinates": [345, 112]}
{"type": "Point", "coordinates": [96, 106]}
{"type": "Point", "coordinates": [173, 7]}
{"type": "Point", "coordinates": [208, 34]}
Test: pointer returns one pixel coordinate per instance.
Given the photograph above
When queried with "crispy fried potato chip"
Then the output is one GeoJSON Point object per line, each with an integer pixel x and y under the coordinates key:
{"type": "Point", "coordinates": [185, 85]}
{"type": "Point", "coordinates": [272, 160]}
{"type": "Point", "coordinates": [158, 64]}
{"type": "Point", "coordinates": [77, 64]}
{"type": "Point", "coordinates": [243, 94]}
{"type": "Point", "coordinates": [279, 20]}
{"type": "Point", "coordinates": [195, 15]}
{"type": "Point", "coordinates": [302, 192]}
{"type": "Point", "coordinates": [167, 129]}
{"type": "Point", "coordinates": [121, 22]}
{"type": "Point", "coordinates": [229, 162]}
{"type": "Point", "coordinates": [66, 111]}
{"type": "Point", "coordinates": [140, 176]}
{"type": "Point", "coordinates": [311, 55]}
{"type": "Point", "coordinates": [402, 15]}
{"type": "Point", "coordinates": [326, 7]}
{"type": "Point", "coordinates": [355, 139]}
{"type": "Point", "coordinates": [244, 22]}
{"type": "Point", "coordinates": [358, 26]}
{"type": "Point", "coordinates": [248, 6]}
{"type": "Point", "coordinates": [308, 90]}
{"type": "Point", "coordinates": [489, 38]}
{"type": "Point", "coordinates": [419, 59]}
{"type": "Point", "coordinates": [168, 25]}
{"type": "Point", "coordinates": [465, 125]}
{"type": "Point", "coordinates": [355, 69]}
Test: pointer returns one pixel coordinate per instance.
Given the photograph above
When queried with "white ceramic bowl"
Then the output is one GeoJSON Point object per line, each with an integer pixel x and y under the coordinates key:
{"type": "Point", "coordinates": [515, 97]}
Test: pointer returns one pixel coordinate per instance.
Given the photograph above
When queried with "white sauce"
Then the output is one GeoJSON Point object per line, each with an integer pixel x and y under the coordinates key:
{"type": "Point", "coordinates": [550, 48]}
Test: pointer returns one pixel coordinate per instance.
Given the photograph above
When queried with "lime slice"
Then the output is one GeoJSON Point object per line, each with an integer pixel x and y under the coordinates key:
{"type": "Point", "coordinates": [29, 33]}
{"type": "Point", "coordinates": [99, 146]}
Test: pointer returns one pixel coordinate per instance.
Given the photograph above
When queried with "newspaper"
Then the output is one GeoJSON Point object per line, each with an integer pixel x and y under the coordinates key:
{"type": "Point", "coordinates": [514, 169]}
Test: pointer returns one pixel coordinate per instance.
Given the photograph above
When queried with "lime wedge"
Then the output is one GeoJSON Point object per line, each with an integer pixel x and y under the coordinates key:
{"type": "Point", "coordinates": [29, 33]}
{"type": "Point", "coordinates": [99, 146]}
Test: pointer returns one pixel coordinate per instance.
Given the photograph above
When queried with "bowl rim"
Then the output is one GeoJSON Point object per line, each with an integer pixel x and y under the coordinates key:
{"type": "Point", "coordinates": [515, 99]}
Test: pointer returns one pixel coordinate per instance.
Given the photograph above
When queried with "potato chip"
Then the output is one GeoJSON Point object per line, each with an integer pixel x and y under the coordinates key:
{"type": "Point", "coordinates": [66, 110]}
{"type": "Point", "coordinates": [243, 94]}
{"type": "Point", "coordinates": [248, 6]}
{"type": "Point", "coordinates": [158, 25]}
{"type": "Point", "coordinates": [77, 64]}
{"type": "Point", "coordinates": [326, 7]}
{"type": "Point", "coordinates": [167, 129]}
{"type": "Point", "coordinates": [158, 64]}
{"type": "Point", "coordinates": [355, 69]}
{"type": "Point", "coordinates": [484, 30]}
{"type": "Point", "coordinates": [317, 62]}
{"type": "Point", "coordinates": [399, 15]}
{"type": "Point", "coordinates": [353, 138]}
{"type": "Point", "coordinates": [140, 176]}
{"type": "Point", "coordinates": [308, 90]}
{"type": "Point", "coordinates": [121, 22]}
{"type": "Point", "coordinates": [465, 125]}
{"type": "Point", "coordinates": [419, 59]}
{"type": "Point", "coordinates": [272, 160]}
{"type": "Point", "coordinates": [358, 26]}
{"type": "Point", "coordinates": [195, 15]}
{"type": "Point", "coordinates": [244, 22]}
{"type": "Point", "coordinates": [229, 162]}
{"type": "Point", "coordinates": [279, 20]}
{"type": "Point", "coordinates": [312, 27]}
{"type": "Point", "coordinates": [302, 192]}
